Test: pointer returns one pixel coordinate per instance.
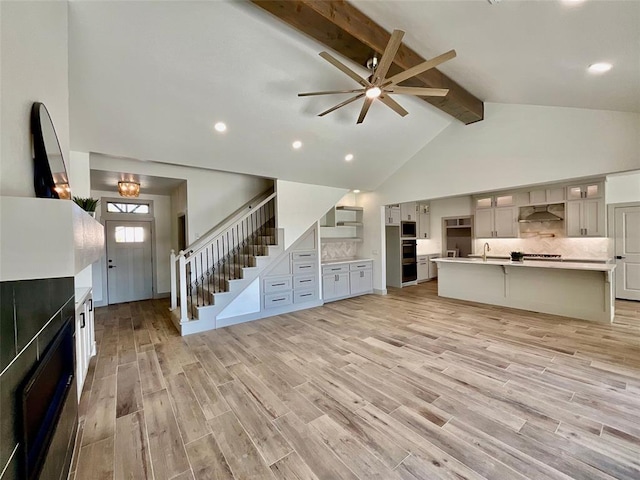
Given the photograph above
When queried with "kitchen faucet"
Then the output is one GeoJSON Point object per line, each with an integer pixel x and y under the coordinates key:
{"type": "Point", "coordinates": [486, 248]}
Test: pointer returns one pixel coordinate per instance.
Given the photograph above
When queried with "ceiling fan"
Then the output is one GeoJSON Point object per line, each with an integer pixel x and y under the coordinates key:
{"type": "Point", "coordinates": [378, 86]}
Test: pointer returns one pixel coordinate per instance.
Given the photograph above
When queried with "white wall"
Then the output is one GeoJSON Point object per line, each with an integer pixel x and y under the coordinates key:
{"type": "Point", "coordinates": [623, 188]}
{"type": "Point", "coordinates": [300, 205]}
{"type": "Point", "coordinates": [211, 195]}
{"type": "Point", "coordinates": [446, 207]}
{"type": "Point", "coordinates": [178, 208]}
{"type": "Point", "coordinates": [517, 145]}
{"type": "Point", "coordinates": [373, 245]}
{"type": "Point", "coordinates": [34, 67]}
{"type": "Point", "coordinates": [162, 237]}
{"type": "Point", "coordinates": [79, 174]}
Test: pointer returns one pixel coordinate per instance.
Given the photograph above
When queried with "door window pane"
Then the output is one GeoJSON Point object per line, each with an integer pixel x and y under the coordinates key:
{"type": "Point", "coordinates": [129, 234]}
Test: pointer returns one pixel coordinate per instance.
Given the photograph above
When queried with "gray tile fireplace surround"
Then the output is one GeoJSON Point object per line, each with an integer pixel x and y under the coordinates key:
{"type": "Point", "coordinates": [31, 313]}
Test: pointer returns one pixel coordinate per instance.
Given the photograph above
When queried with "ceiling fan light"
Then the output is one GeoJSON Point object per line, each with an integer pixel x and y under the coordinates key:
{"type": "Point", "coordinates": [373, 92]}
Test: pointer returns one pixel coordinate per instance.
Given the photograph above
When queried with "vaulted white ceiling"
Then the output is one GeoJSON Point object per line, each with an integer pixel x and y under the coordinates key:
{"type": "Point", "coordinates": [148, 80]}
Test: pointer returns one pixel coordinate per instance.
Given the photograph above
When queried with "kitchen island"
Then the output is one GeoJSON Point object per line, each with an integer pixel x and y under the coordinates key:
{"type": "Point", "coordinates": [571, 289]}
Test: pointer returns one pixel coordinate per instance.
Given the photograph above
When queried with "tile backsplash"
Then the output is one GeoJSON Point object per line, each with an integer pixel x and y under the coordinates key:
{"type": "Point", "coordinates": [338, 250]}
{"type": "Point", "coordinates": [582, 248]}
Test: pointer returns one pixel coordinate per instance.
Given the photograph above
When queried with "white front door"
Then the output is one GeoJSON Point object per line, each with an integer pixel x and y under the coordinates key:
{"type": "Point", "coordinates": [627, 250]}
{"type": "Point", "coordinates": [129, 263]}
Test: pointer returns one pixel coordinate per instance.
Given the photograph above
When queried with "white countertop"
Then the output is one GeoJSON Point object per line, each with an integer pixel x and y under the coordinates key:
{"type": "Point", "coordinates": [563, 259]}
{"type": "Point", "coordinates": [598, 267]}
{"type": "Point", "coordinates": [345, 260]}
{"type": "Point", "coordinates": [80, 294]}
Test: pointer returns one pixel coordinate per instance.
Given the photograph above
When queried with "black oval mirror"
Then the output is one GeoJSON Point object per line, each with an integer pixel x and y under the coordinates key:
{"type": "Point", "coordinates": [50, 175]}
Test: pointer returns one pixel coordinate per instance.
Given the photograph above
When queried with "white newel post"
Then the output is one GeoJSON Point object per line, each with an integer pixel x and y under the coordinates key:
{"type": "Point", "coordinates": [174, 287]}
{"type": "Point", "coordinates": [183, 287]}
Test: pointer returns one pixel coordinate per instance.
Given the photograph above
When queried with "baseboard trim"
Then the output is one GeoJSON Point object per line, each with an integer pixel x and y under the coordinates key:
{"type": "Point", "coordinates": [272, 312]}
{"type": "Point", "coordinates": [157, 296]}
{"type": "Point", "coordinates": [377, 291]}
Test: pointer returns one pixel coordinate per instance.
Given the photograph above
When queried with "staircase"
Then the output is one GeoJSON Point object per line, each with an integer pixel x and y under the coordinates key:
{"type": "Point", "coordinates": [220, 265]}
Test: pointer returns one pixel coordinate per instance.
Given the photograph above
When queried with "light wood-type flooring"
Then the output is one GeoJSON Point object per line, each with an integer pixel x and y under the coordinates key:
{"type": "Point", "coordinates": [403, 386]}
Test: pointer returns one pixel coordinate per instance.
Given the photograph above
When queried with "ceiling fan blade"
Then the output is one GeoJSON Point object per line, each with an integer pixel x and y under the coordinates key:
{"type": "Point", "coordinates": [393, 105]}
{"type": "Point", "coordinates": [346, 102]}
{"type": "Point", "coordinates": [365, 108]}
{"type": "Point", "coordinates": [421, 67]}
{"type": "Point", "coordinates": [342, 67]}
{"type": "Point", "coordinates": [421, 92]}
{"type": "Point", "coordinates": [310, 94]}
{"type": "Point", "coordinates": [387, 57]}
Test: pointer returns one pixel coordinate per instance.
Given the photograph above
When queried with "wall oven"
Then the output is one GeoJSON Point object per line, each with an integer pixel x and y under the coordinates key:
{"type": "Point", "coordinates": [409, 261]}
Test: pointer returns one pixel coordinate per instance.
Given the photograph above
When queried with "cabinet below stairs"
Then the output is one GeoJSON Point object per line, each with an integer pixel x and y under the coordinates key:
{"type": "Point", "coordinates": [292, 283]}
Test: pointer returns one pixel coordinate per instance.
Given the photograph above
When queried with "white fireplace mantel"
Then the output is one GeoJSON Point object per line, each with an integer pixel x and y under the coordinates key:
{"type": "Point", "coordinates": [46, 238]}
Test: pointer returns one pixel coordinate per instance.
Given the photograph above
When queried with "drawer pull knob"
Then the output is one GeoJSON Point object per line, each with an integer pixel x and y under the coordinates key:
{"type": "Point", "coordinates": [278, 284]}
{"type": "Point", "coordinates": [306, 295]}
{"type": "Point", "coordinates": [335, 269]}
{"type": "Point", "coordinates": [278, 299]}
{"type": "Point", "coordinates": [304, 281]}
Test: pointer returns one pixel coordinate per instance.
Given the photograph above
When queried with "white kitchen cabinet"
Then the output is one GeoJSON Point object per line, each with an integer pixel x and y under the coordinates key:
{"type": "Point", "coordinates": [585, 218]}
{"type": "Point", "coordinates": [84, 335]}
{"type": "Point", "coordinates": [423, 268]}
{"type": "Point", "coordinates": [342, 280]}
{"type": "Point", "coordinates": [545, 196]}
{"type": "Point", "coordinates": [392, 214]}
{"type": "Point", "coordinates": [335, 286]}
{"type": "Point", "coordinates": [360, 281]}
{"type": "Point", "coordinates": [586, 190]}
{"type": "Point", "coordinates": [500, 222]}
{"type": "Point", "coordinates": [484, 223]}
{"type": "Point", "coordinates": [499, 200]}
{"type": "Point", "coordinates": [424, 221]}
{"type": "Point", "coordinates": [408, 212]}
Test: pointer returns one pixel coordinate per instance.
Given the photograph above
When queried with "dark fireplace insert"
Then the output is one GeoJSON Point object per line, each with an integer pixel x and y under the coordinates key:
{"type": "Point", "coordinates": [43, 396]}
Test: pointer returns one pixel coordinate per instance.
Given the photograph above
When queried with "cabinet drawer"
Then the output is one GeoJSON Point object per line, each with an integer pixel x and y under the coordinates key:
{"type": "Point", "coordinates": [277, 299]}
{"type": "Point", "coordinates": [276, 284]}
{"type": "Point", "coordinates": [329, 269]}
{"type": "Point", "coordinates": [305, 296]}
{"type": "Point", "coordinates": [306, 281]}
{"type": "Point", "coordinates": [360, 266]}
{"type": "Point", "coordinates": [302, 256]}
{"type": "Point", "coordinates": [304, 267]}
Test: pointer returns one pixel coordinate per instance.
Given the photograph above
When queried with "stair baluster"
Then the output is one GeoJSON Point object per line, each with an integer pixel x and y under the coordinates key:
{"type": "Point", "coordinates": [208, 268]}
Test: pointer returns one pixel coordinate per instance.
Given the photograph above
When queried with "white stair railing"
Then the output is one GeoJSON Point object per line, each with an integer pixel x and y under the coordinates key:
{"type": "Point", "coordinates": [210, 263]}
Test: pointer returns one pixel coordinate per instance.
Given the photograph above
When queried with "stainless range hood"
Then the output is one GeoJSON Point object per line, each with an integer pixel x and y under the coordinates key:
{"type": "Point", "coordinates": [541, 214]}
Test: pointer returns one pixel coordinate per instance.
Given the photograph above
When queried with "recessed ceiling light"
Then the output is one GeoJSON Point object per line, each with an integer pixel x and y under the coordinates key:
{"type": "Point", "coordinates": [356, 191]}
{"type": "Point", "coordinates": [220, 127]}
{"type": "Point", "coordinates": [297, 144]}
{"type": "Point", "coordinates": [349, 157]}
{"type": "Point", "coordinates": [599, 67]}
{"type": "Point", "coordinates": [572, 2]}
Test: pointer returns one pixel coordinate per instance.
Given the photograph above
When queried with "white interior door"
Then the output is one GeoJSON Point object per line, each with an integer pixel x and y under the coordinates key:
{"type": "Point", "coordinates": [129, 262]}
{"type": "Point", "coordinates": [627, 249]}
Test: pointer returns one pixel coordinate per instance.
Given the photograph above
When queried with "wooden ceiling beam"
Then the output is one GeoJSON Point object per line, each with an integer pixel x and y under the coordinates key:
{"type": "Point", "coordinates": [345, 29]}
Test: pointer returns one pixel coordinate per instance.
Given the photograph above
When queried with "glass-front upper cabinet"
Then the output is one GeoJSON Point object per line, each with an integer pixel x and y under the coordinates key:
{"type": "Point", "coordinates": [495, 201]}
{"type": "Point", "coordinates": [588, 190]}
